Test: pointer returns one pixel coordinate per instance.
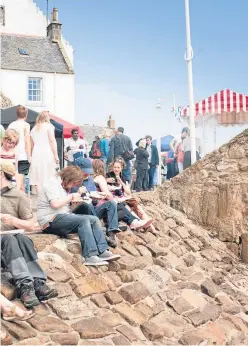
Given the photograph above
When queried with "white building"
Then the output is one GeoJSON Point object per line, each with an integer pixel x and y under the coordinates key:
{"type": "Point", "coordinates": [36, 62]}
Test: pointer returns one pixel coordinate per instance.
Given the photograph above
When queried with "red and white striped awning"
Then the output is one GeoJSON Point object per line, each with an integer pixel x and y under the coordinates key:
{"type": "Point", "coordinates": [225, 101]}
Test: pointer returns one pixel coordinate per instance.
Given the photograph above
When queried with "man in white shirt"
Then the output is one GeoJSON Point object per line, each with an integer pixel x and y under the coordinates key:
{"type": "Point", "coordinates": [75, 147]}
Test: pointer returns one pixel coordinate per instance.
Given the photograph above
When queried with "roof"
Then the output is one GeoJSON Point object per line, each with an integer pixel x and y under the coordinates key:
{"type": "Point", "coordinates": [43, 54]}
{"type": "Point", "coordinates": [91, 131]}
{"type": "Point", "coordinates": [223, 101]}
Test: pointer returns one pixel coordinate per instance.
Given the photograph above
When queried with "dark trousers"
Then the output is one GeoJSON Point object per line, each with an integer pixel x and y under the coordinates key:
{"type": "Point", "coordinates": [126, 173]}
{"type": "Point", "coordinates": [170, 170]}
{"type": "Point", "coordinates": [107, 211]}
{"type": "Point", "coordinates": [187, 159]}
{"type": "Point", "coordinates": [20, 258]}
{"type": "Point", "coordinates": [151, 172]}
{"type": "Point", "coordinates": [141, 179]}
{"type": "Point", "coordinates": [88, 228]}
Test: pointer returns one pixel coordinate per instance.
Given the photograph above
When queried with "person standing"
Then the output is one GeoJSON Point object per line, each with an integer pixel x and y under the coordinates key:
{"type": "Point", "coordinates": [104, 147]}
{"type": "Point", "coordinates": [45, 158]}
{"type": "Point", "coordinates": [121, 146]}
{"type": "Point", "coordinates": [186, 148]}
{"type": "Point", "coordinates": [75, 147]}
{"type": "Point", "coordinates": [179, 154]}
{"type": "Point", "coordinates": [141, 166]}
{"type": "Point", "coordinates": [153, 161]}
{"type": "Point", "coordinates": [23, 152]}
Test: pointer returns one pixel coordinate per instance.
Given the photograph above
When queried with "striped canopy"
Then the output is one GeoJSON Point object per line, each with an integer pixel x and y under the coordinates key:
{"type": "Point", "coordinates": [229, 106]}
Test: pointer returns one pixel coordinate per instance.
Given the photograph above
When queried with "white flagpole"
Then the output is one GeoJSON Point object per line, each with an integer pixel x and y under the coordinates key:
{"type": "Point", "coordinates": [188, 58]}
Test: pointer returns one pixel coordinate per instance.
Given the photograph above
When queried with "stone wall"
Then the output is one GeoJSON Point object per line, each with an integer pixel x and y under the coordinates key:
{"type": "Point", "coordinates": [214, 192]}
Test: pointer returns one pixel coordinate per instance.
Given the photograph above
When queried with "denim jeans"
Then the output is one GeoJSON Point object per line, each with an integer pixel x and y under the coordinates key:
{"type": "Point", "coordinates": [151, 172]}
{"type": "Point", "coordinates": [126, 173]}
{"type": "Point", "coordinates": [88, 228]}
{"type": "Point", "coordinates": [108, 209]}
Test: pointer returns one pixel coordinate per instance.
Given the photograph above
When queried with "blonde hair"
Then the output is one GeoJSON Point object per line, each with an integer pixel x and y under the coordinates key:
{"type": "Point", "coordinates": [11, 134]}
{"type": "Point", "coordinates": [142, 143]}
{"type": "Point", "coordinates": [105, 133]}
{"type": "Point", "coordinates": [98, 167]}
{"type": "Point", "coordinates": [42, 118]}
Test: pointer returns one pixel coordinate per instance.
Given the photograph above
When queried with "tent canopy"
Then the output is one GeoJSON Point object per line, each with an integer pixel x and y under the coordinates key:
{"type": "Point", "coordinates": [229, 106]}
{"type": "Point", "coordinates": [68, 127]}
{"type": "Point", "coordinates": [8, 115]}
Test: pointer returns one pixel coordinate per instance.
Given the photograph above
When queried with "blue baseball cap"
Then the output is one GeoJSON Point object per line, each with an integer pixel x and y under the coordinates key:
{"type": "Point", "coordinates": [85, 165]}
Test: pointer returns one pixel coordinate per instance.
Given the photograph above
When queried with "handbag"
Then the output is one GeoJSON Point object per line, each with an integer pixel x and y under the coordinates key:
{"type": "Point", "coordinates": [127, 154]}
{"type": "Point", "coordinates": [23, 167]}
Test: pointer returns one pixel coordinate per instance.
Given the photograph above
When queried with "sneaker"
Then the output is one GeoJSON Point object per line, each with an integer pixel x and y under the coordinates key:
{"type": "Point", "coordinates": [138, 224]}
{"type": "Point", "coordinates": [109, 256]}
{"type": "Point", "coordinates": [95, 261]}
{"type": "Point", "coordinates": [27, 294]}
{"type": "Point", "coordinates": [42, 291]}
{"type": "Point", "coordinates": [123, 228]}
{"type": "Point", "coordinates": [111, 239]}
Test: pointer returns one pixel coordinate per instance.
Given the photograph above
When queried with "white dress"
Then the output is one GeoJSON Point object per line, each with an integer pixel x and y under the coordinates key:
{"type": "Point", "coordinates": [43, 165]}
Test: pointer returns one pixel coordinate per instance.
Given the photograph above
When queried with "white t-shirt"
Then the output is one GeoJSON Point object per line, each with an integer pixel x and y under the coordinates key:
{"type": "Point", "coordinates": [19, 126]}
{"type": "Point", "coordinates": [74, 147]}
{"type": "Point", "coordinates": [51, 189]}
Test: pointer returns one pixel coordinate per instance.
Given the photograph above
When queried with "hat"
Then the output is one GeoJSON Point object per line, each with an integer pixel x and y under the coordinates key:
{"type": "Point", "coordinates": [7, 167]}
{"type": "Point", "coordinates": [85, 165]}
{"type": "Point", "coordinates": [185, 129]}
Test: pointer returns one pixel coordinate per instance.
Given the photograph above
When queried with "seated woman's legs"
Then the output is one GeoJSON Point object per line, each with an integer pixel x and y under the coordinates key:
{"type": "Point", "coordinates": [134, 222]}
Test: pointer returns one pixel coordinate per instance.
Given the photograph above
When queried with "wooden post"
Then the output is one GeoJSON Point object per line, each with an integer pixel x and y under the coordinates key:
{"type": "Point", "coordinates": [244, 247]}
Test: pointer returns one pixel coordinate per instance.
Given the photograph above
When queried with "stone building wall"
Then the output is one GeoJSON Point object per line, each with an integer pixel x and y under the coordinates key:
{"type": "Point", "coordinates": [214, 192]}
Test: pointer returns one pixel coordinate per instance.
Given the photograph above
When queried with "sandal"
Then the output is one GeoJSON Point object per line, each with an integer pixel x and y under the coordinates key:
{"type": "Point", "coordinates": [12, 315]}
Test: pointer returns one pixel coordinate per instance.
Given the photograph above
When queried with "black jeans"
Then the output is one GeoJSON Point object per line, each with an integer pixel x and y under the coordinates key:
{"type": "Point", "coordinates": [141, 179]}
{"type": "Point", "coordinates": [88, 228]}
{"type": "Point", "coordinates": [20, 258]}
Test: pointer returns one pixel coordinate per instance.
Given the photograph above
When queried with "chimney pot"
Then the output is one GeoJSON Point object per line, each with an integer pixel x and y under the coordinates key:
{"type": "Point", "coordinates": [55, 15]}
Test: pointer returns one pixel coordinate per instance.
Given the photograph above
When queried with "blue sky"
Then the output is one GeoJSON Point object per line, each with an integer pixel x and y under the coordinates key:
{"type": "Point", "coordinates": [129, 53]}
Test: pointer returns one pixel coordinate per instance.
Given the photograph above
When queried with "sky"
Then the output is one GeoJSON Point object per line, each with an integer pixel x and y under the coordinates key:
{"type": "Point", "coordinates": [130, 53]}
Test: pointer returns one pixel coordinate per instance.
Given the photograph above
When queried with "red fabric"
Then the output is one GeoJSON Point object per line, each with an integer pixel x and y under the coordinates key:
{"type": "Point", "coordinates": [68, 127]}
{"type": "Point", "coordinates": [225, 101]}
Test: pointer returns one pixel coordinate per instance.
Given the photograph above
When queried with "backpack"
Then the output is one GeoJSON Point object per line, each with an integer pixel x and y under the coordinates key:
{"type": "Point", "coordinates": [95, 152]}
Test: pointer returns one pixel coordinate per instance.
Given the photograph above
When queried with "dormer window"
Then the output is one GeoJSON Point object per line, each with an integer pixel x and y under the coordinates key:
{"type": "Point", "coordinates": [2, 15]}
{"type": "Point", "coordinates": [23, 51]}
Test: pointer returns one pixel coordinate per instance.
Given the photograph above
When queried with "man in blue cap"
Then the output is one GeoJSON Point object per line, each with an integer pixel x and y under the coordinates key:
{"type": "Point", "coordinates": [106, 210]}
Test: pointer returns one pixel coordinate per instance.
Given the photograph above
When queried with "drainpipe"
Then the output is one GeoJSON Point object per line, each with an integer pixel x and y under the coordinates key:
{"type": "Point", "coordinates": [54, 93]}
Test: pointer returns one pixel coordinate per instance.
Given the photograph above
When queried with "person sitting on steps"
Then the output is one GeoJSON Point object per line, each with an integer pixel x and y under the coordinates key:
{"type": "Point", "coordinates": [55, 217]}
{"type": "Point", "coordinates": [18, 255]}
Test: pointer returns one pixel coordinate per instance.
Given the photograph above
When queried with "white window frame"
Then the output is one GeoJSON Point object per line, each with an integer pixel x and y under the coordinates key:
{"type": "Point", "coordinates": [2, 9]}
{"type": "Point", "coordinates": [37, 102]}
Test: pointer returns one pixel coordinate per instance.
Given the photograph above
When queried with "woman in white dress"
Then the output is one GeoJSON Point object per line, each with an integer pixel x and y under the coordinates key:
{"type": "Point", "coordinates": [44, 150]}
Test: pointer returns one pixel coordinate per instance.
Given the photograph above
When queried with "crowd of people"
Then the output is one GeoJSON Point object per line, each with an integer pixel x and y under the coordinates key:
{"type": "Point", "coordinates": [91, 196]}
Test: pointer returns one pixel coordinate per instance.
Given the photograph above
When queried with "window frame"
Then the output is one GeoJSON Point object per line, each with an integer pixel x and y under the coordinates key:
{"type": "Point", "coordinates": [32, 101]}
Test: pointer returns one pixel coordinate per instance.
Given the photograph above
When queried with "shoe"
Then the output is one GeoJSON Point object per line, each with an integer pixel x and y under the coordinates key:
{"type": "Point", "coordinates": [138, 224]}
{"type": "Point", "coordinates": [27, 294]}
{"type": "Point", "coordinates": [42, 291]}
{"type": "Point", "coordinates": [109, 256]}
{"type": "Point", "coordinates": [95, 261]}
{"type": "Point", "coordinates": [122, 228]}
{"type": "Point", "coordinates": [111, 239]}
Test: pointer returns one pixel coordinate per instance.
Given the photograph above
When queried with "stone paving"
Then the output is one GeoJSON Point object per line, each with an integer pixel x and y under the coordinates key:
{"type": "Point", "coordinates": [177, 285]}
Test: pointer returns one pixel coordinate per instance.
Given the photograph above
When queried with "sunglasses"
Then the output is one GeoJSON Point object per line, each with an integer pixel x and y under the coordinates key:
{"type": "Point", "coordinates": [9, 141]}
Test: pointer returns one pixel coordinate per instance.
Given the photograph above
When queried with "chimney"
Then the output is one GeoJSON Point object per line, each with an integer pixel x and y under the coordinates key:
{"type": "Point", "coordinates": [54, 28]}
{"type": "Point", "coordinates": [111, 123]}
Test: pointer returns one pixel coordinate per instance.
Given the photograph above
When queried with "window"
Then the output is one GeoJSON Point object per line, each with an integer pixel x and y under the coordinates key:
{"type": "Point", "coordinates": [23, 51]}
{"type": "Point", "coordinates": [2, 15]}
{"type": "Point", "coordinates": [34, 89]}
